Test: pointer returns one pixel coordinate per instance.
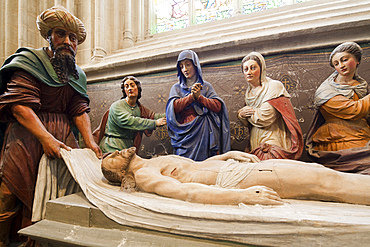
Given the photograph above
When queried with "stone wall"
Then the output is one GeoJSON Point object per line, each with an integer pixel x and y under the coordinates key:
{"type": "Point", "coordinates": [301, 72]}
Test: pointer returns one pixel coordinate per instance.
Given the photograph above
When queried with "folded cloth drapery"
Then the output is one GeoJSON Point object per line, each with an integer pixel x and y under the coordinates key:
{"type": "Point", "coordinates": [151, 211]}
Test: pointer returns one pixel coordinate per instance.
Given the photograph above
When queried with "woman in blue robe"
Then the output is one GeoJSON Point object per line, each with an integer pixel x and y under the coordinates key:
{"type": "Point", "coordinates": [197, 118]}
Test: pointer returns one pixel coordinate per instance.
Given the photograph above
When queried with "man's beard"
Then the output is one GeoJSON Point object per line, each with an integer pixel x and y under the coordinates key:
{"type": "Point", "coordinates": [128, 183]}
{"type": "Point", "coordinates": [128, 159]}
{"type": "Point", "coordinates": [64, 64]}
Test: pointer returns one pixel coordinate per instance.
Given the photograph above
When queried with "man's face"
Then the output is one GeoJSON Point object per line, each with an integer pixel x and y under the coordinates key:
{"type": "Point", "coordinates": [62, 50]}
{"type": "Point", "coordinates": [131, 88]}
{"type": "Point", "coordinates": [61, 37]}
{"type": "Point", "coordinates": [115, 166]}
{"type": "Point", "coordinates": [121, 159]}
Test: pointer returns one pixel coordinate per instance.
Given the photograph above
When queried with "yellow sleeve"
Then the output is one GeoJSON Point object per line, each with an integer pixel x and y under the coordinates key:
{"type": "Point", "coordinates": [344, 108]}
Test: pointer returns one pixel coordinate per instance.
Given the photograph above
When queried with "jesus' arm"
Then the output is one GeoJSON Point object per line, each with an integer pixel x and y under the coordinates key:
{"type": "Point", "coordinates": [236, 155]}
{"type": "Point", "coordinates": [151, 180]}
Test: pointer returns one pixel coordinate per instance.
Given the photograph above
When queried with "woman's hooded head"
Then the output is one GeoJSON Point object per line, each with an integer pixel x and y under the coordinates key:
{"type": "Point", "coordinates": [191, 55]}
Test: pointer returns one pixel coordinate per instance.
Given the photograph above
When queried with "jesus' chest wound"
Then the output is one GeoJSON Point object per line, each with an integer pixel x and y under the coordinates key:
{"type": "Point", "coordinates": [177, 172]}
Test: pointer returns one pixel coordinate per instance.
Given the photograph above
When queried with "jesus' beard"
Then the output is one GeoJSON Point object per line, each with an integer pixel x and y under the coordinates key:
{"type": "Point", "coordinates": [126, 163]}
{"type": "Point", "coordinates": [64, 64]}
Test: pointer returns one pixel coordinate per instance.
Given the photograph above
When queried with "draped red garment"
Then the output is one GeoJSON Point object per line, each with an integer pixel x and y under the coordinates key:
{"type": "Point", "coordinates": [189, 114]}
{"type": "Point", "coordinates": [268, 151]}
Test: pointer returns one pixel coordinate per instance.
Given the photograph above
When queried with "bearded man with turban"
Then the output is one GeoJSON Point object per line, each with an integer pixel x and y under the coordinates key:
{"type": "Point", "coordinates": [42, 93]}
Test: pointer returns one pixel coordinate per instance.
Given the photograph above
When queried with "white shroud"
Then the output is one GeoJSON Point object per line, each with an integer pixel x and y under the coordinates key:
{"type": "Point", "coordinates": [224, 222]}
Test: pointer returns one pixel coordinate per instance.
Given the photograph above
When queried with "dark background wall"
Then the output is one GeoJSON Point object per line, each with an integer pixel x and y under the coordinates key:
{"type": "Point", "coordinates": [301, 73]}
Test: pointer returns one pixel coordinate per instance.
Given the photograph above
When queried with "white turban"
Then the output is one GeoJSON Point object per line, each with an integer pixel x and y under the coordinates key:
{"type": "Point", "coordinates": [59, 16]}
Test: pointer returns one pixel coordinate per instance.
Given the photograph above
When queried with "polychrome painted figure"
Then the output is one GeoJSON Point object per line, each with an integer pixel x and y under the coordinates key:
{"type": "Point", "coordinates": [274, 130]}
{"type": "Point", "coordinates": [127, 119]}
{"type": "Point", "coordinates": [197, 118]}
{"type": "Point", "coordinates": [43, 92]}
{"type": "Point", "coordinates": [339, 133]}
{"type": "Point", "coordinates": [232, 178]}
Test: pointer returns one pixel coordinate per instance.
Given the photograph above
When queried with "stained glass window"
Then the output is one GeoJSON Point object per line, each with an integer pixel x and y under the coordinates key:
{"type": "Point", "coordinates": [250, 6]}
{"type": "Point", "coordinates": [211, 10]}
{"type": "Point", "coordinates": [171, 15]}
{"type": "Point", "coordinates": [177, 14]}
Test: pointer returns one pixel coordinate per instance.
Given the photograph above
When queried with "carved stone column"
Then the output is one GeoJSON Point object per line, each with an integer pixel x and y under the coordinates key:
{"type": "Point", "coordinates": [22, 23]}
{"type": "Point", "coordinates": [10, 25]}
{"type": "Point", "coordinates": [2, 27]}
{"type": "Point", "coordinates": [99, 51]}
{"type": "Point", "coordinates": [70, 5]}
{"type": "Point", "coordinates": [141, 14]}
{"type": "Point", "coordinates": [42, 6]}
{"type": "Point", "coordinates": [191, 12]}
{"type": "Point", "coordinates": [237, 5]}
{"type": "Point", "coordinates": [128, 40]}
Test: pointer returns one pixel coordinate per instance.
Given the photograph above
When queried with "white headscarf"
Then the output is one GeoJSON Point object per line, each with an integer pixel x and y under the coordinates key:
{"type": "Point", "coordinates": [271, 89]}
{"type": "Point", "coordinates": [329, 88]}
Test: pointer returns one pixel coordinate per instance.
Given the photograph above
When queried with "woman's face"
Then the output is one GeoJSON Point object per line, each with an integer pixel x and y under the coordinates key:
{"type": "Point", "coordinates": [187, 68]}
{"type": "Point", "coordinates": [252, 72]}
{"type": "Point", "coordinates": [345, 63]}
{"type": "Point", "coordinates": [131, 88]}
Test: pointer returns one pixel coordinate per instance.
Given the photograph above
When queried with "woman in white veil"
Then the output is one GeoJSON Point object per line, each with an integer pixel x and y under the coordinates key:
{"type": "Point", "coordinates": [269, 114]}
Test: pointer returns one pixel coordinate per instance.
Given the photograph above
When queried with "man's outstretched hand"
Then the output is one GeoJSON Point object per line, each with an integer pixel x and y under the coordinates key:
{"type": "Point", "coordinates": [94, 147]}
{"type": "Point", "coordinates": [52, 147]}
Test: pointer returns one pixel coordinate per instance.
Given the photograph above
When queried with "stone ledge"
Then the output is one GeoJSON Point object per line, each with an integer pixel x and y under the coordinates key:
{"type": "Point", "coordinates": [52, 233]}
{"type": "Point", "coordinates": [73, 221]}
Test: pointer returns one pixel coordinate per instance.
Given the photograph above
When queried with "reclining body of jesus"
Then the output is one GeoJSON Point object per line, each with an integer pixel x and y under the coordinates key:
{"type": "Point", "coordinates": [234, 177]}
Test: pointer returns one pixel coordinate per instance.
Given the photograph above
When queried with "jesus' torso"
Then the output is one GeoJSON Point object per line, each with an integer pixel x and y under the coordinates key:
{"type": "Point", "coordinates": [188, 171]}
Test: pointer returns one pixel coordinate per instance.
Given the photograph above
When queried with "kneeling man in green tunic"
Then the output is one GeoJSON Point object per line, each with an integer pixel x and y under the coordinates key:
{"type": "Point", "coordinates": [234, 177]}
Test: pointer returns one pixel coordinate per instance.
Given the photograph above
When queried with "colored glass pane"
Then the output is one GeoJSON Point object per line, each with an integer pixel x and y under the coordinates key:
{"type": "Point", "coordinates": [174, 14]}
{"type": "Point", "coordinates": [171, 15]}
{"type": "Point", "coordinates": [250, 6]}
{"type": "Point", "coordinates": [211, 10]}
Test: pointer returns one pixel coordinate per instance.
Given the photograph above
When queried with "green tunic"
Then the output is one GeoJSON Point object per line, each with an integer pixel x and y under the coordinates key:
{"type": "Point", "coordinates": [123, 123]}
